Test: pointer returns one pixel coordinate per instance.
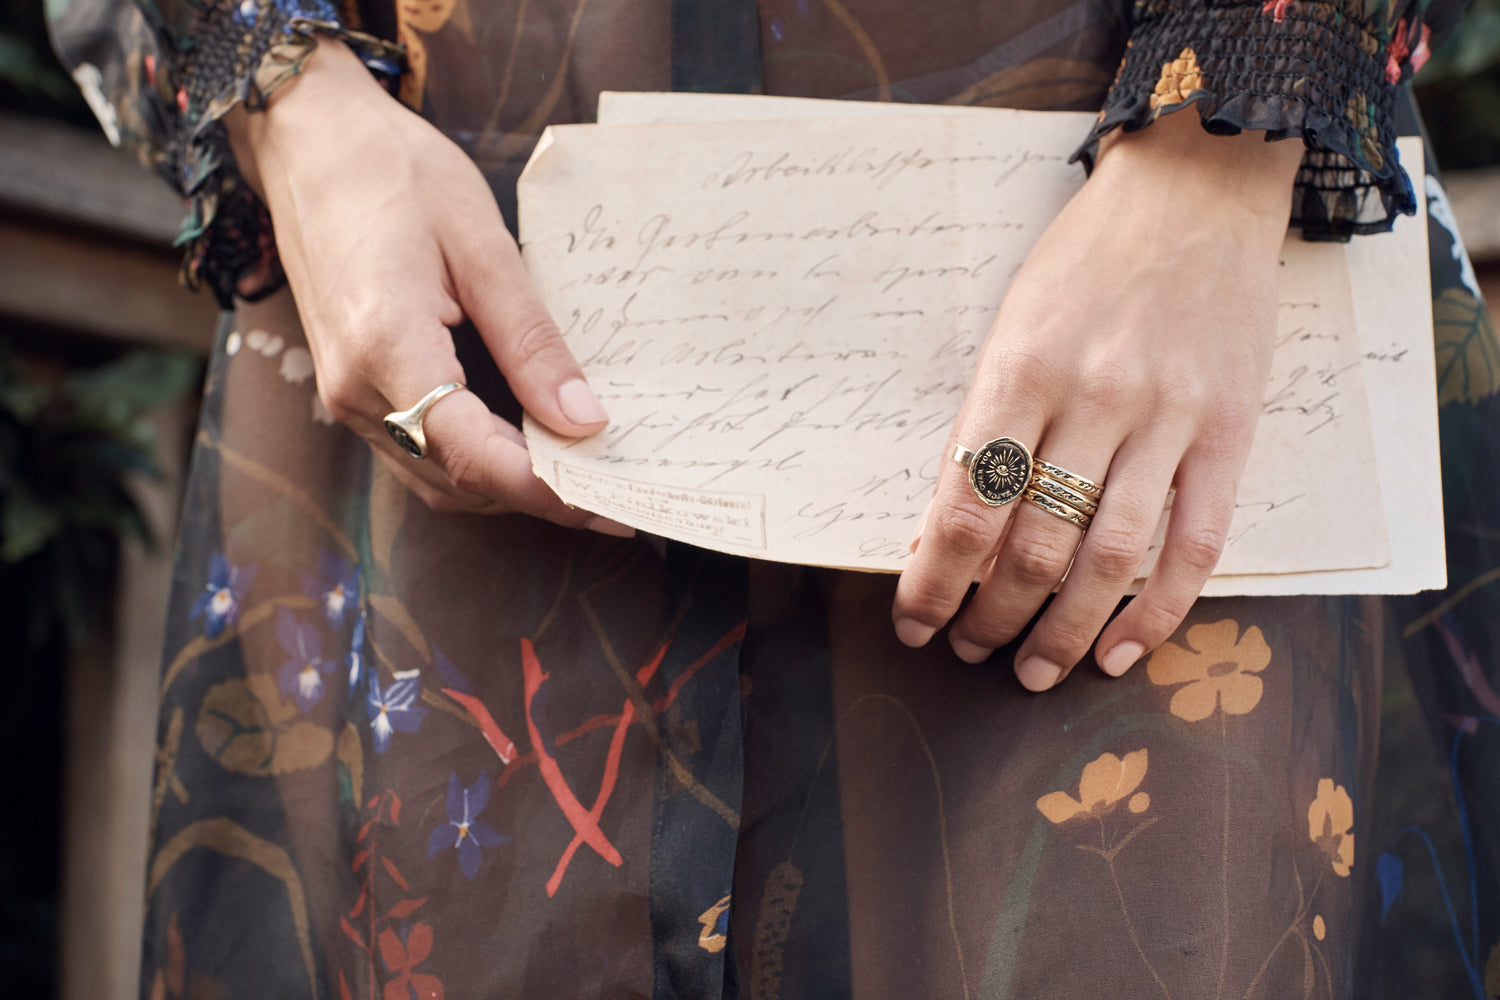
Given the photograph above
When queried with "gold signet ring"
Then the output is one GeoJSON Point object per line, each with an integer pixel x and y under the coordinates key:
{"type": "Point", "coordinates": [405, 426]}
{"type": "Point", "coordinates": [998, 471]}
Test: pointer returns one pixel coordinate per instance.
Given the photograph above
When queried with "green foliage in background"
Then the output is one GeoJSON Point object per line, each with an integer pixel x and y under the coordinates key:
{"type": "Point", "coordinates": [1459, 91]}
{"type": "Point", "coordinates": [69, 442]}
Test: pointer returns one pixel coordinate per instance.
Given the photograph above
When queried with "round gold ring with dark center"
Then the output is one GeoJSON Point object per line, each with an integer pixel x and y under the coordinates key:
{"type": "Point", "coordinates": [998, 471]}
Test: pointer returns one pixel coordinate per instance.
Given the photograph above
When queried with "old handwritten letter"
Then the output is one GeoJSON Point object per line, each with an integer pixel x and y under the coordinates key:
{"type": "Point", "coordinates": [782, 318]}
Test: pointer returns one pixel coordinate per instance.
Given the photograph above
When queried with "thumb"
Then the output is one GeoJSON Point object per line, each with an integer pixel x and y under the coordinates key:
{"type": "Point", "coordinates": [497, 295]}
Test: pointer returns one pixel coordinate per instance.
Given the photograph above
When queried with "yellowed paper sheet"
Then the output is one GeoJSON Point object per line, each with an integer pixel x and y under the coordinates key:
{"type": "Point", "coordinates": [1389, 279]}
{"type": "Point", "coordinates": [784, 352]}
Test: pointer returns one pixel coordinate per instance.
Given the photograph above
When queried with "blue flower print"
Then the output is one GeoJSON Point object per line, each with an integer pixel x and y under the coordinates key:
{"type": "Point", "coordinates": [219, 604]}
{"type": "Point", "coordinates": [354, 660]}
{"type": "Point", "coordinates": [394, 708]}
{"type": "Point", "coordinates": [302, 675]}
{"type": "Point", "coordinates": [335, 588]}
{"type": "Point", "coordinates": [464, 831]}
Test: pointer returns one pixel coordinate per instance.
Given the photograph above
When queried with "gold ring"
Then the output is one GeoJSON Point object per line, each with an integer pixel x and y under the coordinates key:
{"type": "Point", "coordinates": [1087, 487]}
{"type": "Point", "coordinates": [998, 471]}
{"type": "Point", "coordinates": [1059, 490]}
{"type": "Point", "coordinates": [405, 426]}
{"type": "Point", "coordinates": [1056, 509]}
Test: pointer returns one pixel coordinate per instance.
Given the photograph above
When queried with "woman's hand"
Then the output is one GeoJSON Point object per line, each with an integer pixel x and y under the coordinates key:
{"type": "Point", "coordinates": [1132, 349]}
{"type": "Point", "coordinates": [389, 235]}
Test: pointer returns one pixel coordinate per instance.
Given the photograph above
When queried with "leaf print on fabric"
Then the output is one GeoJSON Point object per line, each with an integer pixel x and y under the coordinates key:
{"type": "Point", "coordinates": [1358, 113]}
{"type": "Point", "coordinates": [247, 728]}
{"type": "Point", "coordinates": [414, 19]}
{"type": "Point", "coordinates": [715, 921]}
{"type": "Point", "coordinates": [1330, 823]}
{"type": "Point", "coordinates": [1180, 79]}
{"type": "Point", "coordinates": [219, 604]}
{"type": "Point", "coordinates": [465, 832]}
{"type": "Point", "coordinates": [1215, 669]}
{"type": "Point", "coordinates": [301, 677]}
{"type": "Point", "coordinates": [1106, 782]}
{"type": "Point", "coordinates": [1468, 356]}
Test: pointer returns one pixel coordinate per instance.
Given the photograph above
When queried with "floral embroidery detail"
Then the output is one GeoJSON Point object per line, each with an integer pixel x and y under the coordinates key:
{"type": "Point", "coordinates": [1180, 79]}
{"type": "Point", "coordinates": [1358, 113]}
{"type": "Point", "coordinates": [219, 604]}
{"type": "Point", "coordinates": [302, 675]}
{"type": "Point", "coordinates": [402, 958]}
{"type": "Point", "coordinates": [335, 588]}
{"type": "Point", "coordinates": [1277, 9]}
{"type": "Point", "coordinates": [1330, 824]}
{"type": "Point", "coordinates": [394, 708]}
{"type": "Point", "coordinates": [464, 831]}
{"type": "Point", "coordinates": [715, 921]}
{"type": "Point", "coordinates": [1216, 671]}
{"type": "Point", "coordinates": [1104, 784]}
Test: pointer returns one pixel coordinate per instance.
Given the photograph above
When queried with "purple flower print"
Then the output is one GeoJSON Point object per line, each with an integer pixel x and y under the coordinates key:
{"type": "Point", "coordinates": [335, 587]}
{"type": "Point", "coordinates": [354, 660]}
{"type": "Point", "coordinates": [394, 708]}
{"type": "Point", "coordinates": [302, 675]}
{"type": "Point", "coordinates": [464, 831]}
{"type": "Point", "coordinates": [219, 604]}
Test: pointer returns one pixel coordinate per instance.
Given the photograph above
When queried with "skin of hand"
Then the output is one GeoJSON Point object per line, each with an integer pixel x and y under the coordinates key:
{"type": "Point", "coordinates": [1133, 349]}
{"type": "Point", "coordinates": [389, 235]}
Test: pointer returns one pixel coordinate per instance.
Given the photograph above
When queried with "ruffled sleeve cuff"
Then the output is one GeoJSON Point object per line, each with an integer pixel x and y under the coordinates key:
{"type": "Point", "coordinates": [1295, 69]}
{"type": "Point", "coordinates": [241, 55]}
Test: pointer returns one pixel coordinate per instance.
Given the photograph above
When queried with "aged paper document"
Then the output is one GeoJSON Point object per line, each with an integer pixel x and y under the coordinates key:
{"type": "Point", "coordinates": [782, 321]}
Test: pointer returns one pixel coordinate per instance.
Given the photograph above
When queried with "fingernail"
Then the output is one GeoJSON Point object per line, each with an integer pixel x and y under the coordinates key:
{"type": "Point", "coordinates": [605, 526]}
{"type": "Point", "coordinates": [579, 404]}
{"type": "Point", "coordinates": [1121, 658]}
{"type": "Point", "coordinates": [970, 652]}
{"type": "Point", "coordinates": [916, 536]}
{"type": "Point", "coordinates": [1037, 674]}
{"type": "Point", "coordinates": [913, 632]}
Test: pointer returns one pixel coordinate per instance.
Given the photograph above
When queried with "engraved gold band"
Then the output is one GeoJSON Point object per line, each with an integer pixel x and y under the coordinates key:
{"type": "Point", "coordinates": [1059, 490]}
{"type": "Point", "coordinates": [1087, 487]}
{"type": "Point", "coordinates": [1056, 509]}
{"type": "Point", "coordinates": [405, 426]}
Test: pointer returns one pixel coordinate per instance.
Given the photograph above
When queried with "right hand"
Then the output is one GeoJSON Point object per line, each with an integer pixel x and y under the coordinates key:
{"type": "Point", "coordinates": [389, 235]}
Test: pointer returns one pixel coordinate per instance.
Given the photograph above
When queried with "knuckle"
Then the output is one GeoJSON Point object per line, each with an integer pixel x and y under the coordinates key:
{"type": "Point", "coordinates": [1154, 622]}
{"type": "Point", "coordinates": [1038, 560]}
{"type": "Point", "coordinates": [1116, 553]}
{"type": "Point", "coordinates": [1066, 641]}
{"type": "Point", "coordinates": [1199, 548]}
{"type": "Point", "coordinates": [1108, 385]}
{"type": "Point", "coordinates": [463, 468]}
{"type": "Point", "coordinates": [539, 340]}
{"type": "Point", "coordinates": [339, 390]}
{"type": "Point", "coordinates": [961, 528]}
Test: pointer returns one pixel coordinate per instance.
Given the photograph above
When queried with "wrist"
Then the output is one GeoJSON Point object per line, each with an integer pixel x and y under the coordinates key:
{"type": "Point", "coordinates": [299, 111]}
{"type": "Point", "coordinates": [1177, 161]}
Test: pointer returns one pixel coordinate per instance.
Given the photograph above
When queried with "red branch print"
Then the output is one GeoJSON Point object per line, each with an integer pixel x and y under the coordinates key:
{"type": "Point", "coordinates": [582, 822]}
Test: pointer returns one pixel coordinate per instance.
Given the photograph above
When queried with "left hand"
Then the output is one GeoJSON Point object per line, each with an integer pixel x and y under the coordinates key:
{"type": "Point", "coordinates": [1133, 349]}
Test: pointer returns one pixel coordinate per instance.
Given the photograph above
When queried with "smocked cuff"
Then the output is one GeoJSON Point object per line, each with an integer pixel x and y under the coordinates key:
{"type": "Point", "coordinates": [1294, 70]}
{"type": "Point", "coordinates": [241, 57]}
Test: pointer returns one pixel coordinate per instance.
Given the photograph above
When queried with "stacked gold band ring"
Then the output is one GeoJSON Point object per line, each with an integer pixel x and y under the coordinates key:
{"type": "Point", "coordinates": [1003, 469]}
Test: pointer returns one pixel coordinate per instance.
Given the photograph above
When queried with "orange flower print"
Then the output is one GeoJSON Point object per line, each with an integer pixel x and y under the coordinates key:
{"type": "Point", "coordinates": [1330, 824]}
{"type": "Point", "coordinates": [1215, 671]}
{"type": "Point", "coordinates": [1180, 79]}
{"type": "Point", "coordinates": [1105, 783]}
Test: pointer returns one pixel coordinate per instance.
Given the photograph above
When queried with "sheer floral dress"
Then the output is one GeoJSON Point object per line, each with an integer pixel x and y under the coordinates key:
{"type": "Point", "coordinates": [413, 755]}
